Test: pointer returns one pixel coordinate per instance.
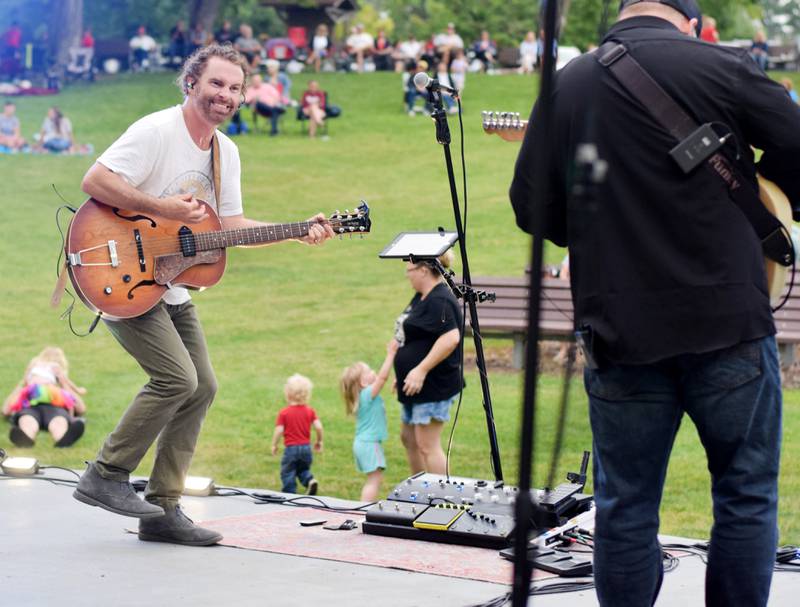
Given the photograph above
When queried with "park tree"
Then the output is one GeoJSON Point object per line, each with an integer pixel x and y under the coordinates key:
{"type": "Point", "coordinates": [782, 18]}
{"type": "Point", "coordinates": [65, 27]}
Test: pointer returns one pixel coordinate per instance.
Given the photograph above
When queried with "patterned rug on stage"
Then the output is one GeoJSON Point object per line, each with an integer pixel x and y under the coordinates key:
{"type": "Point", "coordinates": [280, 531]}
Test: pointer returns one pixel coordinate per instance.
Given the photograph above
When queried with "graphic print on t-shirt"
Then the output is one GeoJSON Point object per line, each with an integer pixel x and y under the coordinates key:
{"type": "Point", "coordinates": [399, 331]}
{"type": "Point", "coordinates": [192, 182]}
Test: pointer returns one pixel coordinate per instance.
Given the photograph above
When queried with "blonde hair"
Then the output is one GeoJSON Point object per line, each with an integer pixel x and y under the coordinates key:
{"type": "Point", "coordinates": [446, 259]}
{"type": "Point", "coordinates": [350, 386]}
{"type": "Point", "coordinates": [55, 355]}
{"type": "Point", "coordinates": [298, 389]}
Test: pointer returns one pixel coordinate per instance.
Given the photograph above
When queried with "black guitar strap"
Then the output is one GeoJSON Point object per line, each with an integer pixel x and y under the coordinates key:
{"type": "Point", "coordinates": [637, 81]}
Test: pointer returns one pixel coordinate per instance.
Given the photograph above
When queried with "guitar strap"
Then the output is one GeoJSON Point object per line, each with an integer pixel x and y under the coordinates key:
{"type": "Point", "coordinates": [638, 82]}
{"type": "Point", "coordinates": [215, 167]}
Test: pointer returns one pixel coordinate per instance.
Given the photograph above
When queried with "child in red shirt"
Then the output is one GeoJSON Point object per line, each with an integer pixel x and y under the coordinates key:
{"type": "Point", "coordinates": [294, 424]}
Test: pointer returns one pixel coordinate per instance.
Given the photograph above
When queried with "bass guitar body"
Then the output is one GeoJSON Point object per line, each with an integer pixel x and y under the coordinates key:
{"type": "Point", "coordinates": [121, 262]}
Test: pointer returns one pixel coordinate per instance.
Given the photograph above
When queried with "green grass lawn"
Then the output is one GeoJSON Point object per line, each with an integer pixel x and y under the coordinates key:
{"type": "Point", "coordinates": [292, 308]}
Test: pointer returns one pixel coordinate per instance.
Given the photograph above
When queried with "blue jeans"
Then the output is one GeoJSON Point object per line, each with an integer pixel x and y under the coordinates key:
{"type": "Point", "coordinates": [733, 396]}
{"type": "Point", "coordinates": [296, 463]}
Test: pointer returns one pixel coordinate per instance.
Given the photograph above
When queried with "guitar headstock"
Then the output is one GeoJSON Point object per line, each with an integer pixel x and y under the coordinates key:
{"type": "Point", "coordinates": [506, 125]}
{"type": "Point", "coordinates": [351, 222]}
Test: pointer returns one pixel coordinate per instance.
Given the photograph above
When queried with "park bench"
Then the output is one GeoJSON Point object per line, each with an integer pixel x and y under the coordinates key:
{"type": "Point", "coordinates": [783, 57]}
{"type": "Point", "coordinates": [507, 317]}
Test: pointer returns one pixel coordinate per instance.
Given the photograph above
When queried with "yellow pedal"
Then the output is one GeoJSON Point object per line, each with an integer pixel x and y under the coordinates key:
{"type": "Point", "coordinates": [439, 517]}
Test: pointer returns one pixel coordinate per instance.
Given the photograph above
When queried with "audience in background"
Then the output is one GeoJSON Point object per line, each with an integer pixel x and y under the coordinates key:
{"type": "Point", "coordinates": [197, 38]}
{"type": "Point", "coordinates": [458, 70]}
{"type": "Point", "coordinates": [528, 53]}
{"type": "Point", "coordinates": [11, 139]}
{"type": "Point", "coordinates": [312, 105]}
{"type": "Point", "coordinates": [383, 50]}
{"type": "Point", "coordinates": [787, 84]}
{"type": "Point", "coordinates": [141, 45]}
{"type": "Point", "coordinates": [87, 40]}
{"type": "Point", "coordinates": [225, 34]}
{"type": "Point", "coordinates": [361, 388]}
{"type": "Point", "coordinates": [447, 42]}
{"type": "Point", "coordinates": [294, 424]}
{"type": "Point", "coordinates": [320, 46]}
{"type": "Point", "coordinates": [359, 45]}
{"type": "Point", "coordinates": [410, 92]}
{"type": "Point", "coordinates": [56, 132]}
{"type": "Point", "coordinates": [406, 52]}
{"type": "Point", "coordinates": [177, 49]}
{"type": "Point", "coordinates": [249, 46]}
{"type": "Point", "coordinates": [709, 32]}
{"type": "Point", "coordinates": [485, 51]}
{"type": "Point", "coordinates": [759, 50]}
{"type": "Point", "coordinates": [46, 399]}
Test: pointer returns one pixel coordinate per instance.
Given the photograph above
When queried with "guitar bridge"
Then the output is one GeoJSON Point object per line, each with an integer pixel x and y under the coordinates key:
{"type": "Point", "coordinates": [74, 259]}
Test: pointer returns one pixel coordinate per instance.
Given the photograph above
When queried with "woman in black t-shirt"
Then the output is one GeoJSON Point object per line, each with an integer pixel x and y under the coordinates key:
{"type": "Point", "coordinates": [427, 365]}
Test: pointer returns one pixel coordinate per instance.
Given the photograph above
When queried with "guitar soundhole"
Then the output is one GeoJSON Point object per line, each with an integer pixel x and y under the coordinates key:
{"type": "Point", "coordinates": [141, 283]}
{"type": "Point", "coordinates": [134, 217]}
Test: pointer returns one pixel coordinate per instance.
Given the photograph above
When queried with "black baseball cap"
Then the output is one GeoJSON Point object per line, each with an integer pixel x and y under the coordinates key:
{"type": "Point", "coordinates": [687, 8]}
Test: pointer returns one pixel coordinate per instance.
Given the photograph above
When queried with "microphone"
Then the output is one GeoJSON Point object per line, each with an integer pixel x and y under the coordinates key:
{"type": "Point", "coordinates": [423, 81]}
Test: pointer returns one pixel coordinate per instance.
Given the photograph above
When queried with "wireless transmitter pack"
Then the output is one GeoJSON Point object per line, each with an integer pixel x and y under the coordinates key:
{"type": "Point", "coordinates": [696, 148]}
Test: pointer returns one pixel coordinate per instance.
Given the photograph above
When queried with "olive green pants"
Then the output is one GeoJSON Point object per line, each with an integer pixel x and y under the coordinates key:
{"type": "Point", "coordinates": [169, 345]}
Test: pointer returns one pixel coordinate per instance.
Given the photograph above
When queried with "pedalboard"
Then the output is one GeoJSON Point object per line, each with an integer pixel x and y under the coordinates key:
{"type": "Point", "coordinates": [457, 510]}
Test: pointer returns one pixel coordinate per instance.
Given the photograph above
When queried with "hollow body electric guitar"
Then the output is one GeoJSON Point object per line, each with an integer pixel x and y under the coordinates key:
{"type": "Point", "coordinates": [508, 126]}
{"type": "Point", "coordinates": [121, 262]}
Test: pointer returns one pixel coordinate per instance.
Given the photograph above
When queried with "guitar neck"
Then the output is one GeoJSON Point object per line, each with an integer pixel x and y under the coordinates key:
{"type": "Point", "coordinates": [206, 241]}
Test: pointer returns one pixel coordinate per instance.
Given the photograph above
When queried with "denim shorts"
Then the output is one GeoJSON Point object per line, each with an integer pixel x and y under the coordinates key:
{"type": "Point", "coordinates": [423, 413]}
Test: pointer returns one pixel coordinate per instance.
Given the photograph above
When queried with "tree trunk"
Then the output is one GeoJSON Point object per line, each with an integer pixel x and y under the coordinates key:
{"type": "Point", "coordinates": [65, 28]}
{"type": "Point", "coordinates": [204, 12]}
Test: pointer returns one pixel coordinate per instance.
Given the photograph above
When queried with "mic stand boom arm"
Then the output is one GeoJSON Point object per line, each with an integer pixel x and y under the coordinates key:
{"type": "Point", "coordinates": [439, 116]}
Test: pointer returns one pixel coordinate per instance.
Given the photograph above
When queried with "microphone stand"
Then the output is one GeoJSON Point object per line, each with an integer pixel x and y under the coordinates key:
{"type": "Point", "coordinates": [439, 117]}
{"type": "Point", "coordinates": [524, 505]}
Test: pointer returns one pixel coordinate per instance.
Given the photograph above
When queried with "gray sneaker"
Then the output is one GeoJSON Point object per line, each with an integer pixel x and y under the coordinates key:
{"type": "Point", "coordinates": [115, 496]}
{"type": "Point", "coordinates": [313, 487]}
{"type": "Point", "coordinates": [176, 528]}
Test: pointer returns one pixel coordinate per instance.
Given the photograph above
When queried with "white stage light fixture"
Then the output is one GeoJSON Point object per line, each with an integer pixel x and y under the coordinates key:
{"type": "Point", "coordinates": [20, 466]}
{"type": "Point", "coordinates": [198, 486]}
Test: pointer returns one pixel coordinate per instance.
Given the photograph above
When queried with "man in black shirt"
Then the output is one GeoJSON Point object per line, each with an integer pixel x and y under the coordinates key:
{"type": "Point", "coordinates": [668, 280]}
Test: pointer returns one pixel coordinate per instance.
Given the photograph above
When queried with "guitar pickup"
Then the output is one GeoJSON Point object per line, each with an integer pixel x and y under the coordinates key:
{"type": "Point", "coordinates": [188, 243]}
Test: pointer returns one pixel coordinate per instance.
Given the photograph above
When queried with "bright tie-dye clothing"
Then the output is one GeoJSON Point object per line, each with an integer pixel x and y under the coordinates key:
{"type": "Point", "coordinates": [44, 394]}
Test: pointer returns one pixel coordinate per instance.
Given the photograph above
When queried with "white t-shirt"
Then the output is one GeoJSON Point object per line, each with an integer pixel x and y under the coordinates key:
{"type": "Point", "coordinates": [158, 156]}
{"type": "Point", "coordinates": [409, 49]}
{"type": "Point", "coordinates": [360, 42]}
{"type": "Point", "coordinates": [144, 42]}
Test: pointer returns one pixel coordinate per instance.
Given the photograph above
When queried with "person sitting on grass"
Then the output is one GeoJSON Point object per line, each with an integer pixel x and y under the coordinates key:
{"type": "Point", "coordinates": [46, 398]}
{"type": "Point", "coordinates": [10, 136]}
{"type": "Point", "coordinates": [294, 423]}
{"type": "Point", "coordinates": [56, 132]}
{"type": "Point", "coordinates": [361, 388]}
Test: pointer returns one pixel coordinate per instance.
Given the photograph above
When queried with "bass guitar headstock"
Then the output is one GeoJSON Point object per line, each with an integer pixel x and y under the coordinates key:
{"type": "Point", "coordinates": [351, 222]}
{"type": "Point", "coordinates": [506, 125]}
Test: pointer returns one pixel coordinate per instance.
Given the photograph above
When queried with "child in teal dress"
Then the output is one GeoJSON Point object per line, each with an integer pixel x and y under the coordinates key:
{"type": "Point", "coordinates": [361, 388]}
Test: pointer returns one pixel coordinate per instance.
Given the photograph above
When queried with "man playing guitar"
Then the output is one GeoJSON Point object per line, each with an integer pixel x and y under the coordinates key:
{"type": "Point", "coordinates": [162, 166]}
{"type": "Point", "coordinates": [670, 293]}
